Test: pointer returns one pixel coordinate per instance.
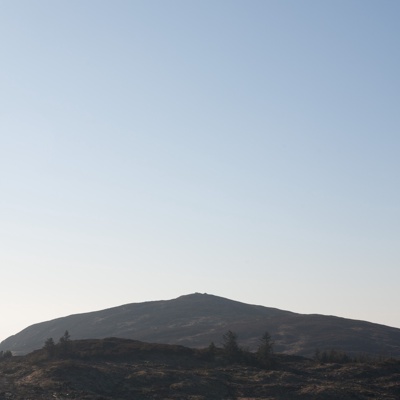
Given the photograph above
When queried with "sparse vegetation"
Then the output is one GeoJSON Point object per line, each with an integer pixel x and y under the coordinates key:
{"type": "Point", "coordinates": [341, 357]}
{"type": "Point", "coordinates": [124, 369]}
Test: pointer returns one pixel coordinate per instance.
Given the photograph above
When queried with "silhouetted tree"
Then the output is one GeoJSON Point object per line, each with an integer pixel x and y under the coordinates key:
{"type": "Point", "coordinates": [211, 351]}
{"type": "Point", "coordinates": [212, 348]}
{"type": "Point", "coordinates": [65, 338]}
{"type": "Point", "coordinates": [230, 346]}
{"type": "Point", "coordinates": [50, 347]}
{"type": "Point", "coordinates": [265, 349]}
{"type": "Point", "coordinates": [64, 343]}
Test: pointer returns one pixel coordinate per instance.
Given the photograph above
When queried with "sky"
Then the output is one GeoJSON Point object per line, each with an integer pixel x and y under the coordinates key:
{"type": "Point", "coordinates": [246, 149]}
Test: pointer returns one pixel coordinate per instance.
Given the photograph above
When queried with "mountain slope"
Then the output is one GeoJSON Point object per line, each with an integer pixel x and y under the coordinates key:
{"type": "Point", "coordinates": [197, 319]}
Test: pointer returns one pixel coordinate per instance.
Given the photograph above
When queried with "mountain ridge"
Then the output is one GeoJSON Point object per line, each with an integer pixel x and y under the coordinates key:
{"type": "Point", "coordinates": [196, 320]}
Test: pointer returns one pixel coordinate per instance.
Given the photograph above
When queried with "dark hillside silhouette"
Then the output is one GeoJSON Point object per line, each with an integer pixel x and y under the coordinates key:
{"type": "Point", "coordinates": [196, 320]}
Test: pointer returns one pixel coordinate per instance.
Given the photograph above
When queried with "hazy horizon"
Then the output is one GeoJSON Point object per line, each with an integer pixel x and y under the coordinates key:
{"type": "Point", "coordinates": [152, 149]}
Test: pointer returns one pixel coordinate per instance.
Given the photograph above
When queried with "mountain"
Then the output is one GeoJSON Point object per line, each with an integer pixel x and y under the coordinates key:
{"type": "Point", "coordinates": [196, 320]}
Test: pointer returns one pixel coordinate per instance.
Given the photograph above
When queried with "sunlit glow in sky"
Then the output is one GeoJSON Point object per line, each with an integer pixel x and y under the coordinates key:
{"type": "Point", "coordinates": [150, 149]}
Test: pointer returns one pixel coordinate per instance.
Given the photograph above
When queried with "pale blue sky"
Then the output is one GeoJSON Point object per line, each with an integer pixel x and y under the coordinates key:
{"type": "Point", "coordinates": [248, 149]}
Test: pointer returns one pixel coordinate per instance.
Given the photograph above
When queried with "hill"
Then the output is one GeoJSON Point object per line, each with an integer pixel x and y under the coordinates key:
{"type": "Point", "coordinates": [125, 369]}
{"type": "Point", "coordinates": [196, 320]}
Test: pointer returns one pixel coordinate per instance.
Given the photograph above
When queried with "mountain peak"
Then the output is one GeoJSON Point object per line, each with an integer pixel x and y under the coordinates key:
{"type": "Point", "coordinates": [197, 319]}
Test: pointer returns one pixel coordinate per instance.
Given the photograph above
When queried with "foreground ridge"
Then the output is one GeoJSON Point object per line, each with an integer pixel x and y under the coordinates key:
{"type": "Point", "coordinates": [124, 369]}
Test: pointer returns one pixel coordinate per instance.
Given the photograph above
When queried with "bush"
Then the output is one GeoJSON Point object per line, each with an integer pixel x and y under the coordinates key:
{"type": "Point", "coordinates": [332, 356]}
{"type": "Point", "coordinates": [5, 354]}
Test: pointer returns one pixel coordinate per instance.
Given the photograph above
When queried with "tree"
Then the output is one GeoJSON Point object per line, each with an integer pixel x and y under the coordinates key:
{"type": "Point", "coordinates": [265, 349]}
{"type": "Point", "coordinates": [212, 348]}
{"type": "Point", "coordinates": [65, 338]}
{"type": "Point", "coordinates": [50, 347]}
{"type": "Point", "coordinates": [230, 346]}
{"type": "Point", "coordinates": [65, 343]}
{"type": "Point", "coordinates": [210, 352]}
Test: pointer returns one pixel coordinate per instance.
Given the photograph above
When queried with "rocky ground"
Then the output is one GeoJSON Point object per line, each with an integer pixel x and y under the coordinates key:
{"type": "Point", "coordinates": [176, 373]}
